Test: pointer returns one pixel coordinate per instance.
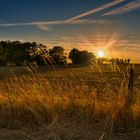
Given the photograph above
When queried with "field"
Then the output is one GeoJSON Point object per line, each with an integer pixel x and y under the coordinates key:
{"type": "Point", "coordinates": [69, 103]}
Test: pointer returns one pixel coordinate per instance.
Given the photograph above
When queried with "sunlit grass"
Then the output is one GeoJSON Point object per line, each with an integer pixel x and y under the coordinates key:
{"type": "Point", "coordinates": [37, 101]}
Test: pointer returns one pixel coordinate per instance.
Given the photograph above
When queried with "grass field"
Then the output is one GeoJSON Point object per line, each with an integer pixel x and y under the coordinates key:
{"type": "Point", "coordinates": [68, 103]}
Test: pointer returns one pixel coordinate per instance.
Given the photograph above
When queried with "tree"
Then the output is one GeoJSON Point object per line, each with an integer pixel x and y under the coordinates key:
{"type": "Point", "coordinates": [81, 57]}
{"type": "Point", "coordinates": [17, 53]}
{"type": "Point", "coordinates": [128, 60]}
{"type": "Point", "coordinates": [57, 55]}
{"type": "Point", "coordinates": [102, 60]}
{"type": "Point", "coordinates": [74, 55]}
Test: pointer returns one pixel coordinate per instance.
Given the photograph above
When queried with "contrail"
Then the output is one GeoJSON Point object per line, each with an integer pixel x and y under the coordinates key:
{"type": "Point", "coordinates": [73, 20]}
{"type": "Point", "coordinates": [130, 6]}
{"type": "Point", "coordinates": [32, 23]}
{"type": "Point", "coordinates": [96, 10]}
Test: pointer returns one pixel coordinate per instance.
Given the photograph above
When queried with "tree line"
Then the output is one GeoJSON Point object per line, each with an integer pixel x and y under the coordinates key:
{"type": "Point", "coordinates": [16, 53]}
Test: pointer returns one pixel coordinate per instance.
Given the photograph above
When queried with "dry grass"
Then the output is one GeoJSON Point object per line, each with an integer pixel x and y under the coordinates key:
{"type": "Point", "coordinates": [74, 106]}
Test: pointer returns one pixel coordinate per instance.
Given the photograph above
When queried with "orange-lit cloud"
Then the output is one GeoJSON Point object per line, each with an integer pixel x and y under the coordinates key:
{"type": "Point", "coordinates": [130, 6]}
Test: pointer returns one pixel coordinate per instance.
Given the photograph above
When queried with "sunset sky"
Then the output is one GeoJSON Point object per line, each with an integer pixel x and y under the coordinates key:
{"type": "Point", "coordinates": [109, 25]}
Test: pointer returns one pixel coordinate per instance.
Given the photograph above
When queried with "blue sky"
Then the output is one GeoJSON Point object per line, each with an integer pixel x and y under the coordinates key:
{"type": "Point", "coordinates": [109, 25]}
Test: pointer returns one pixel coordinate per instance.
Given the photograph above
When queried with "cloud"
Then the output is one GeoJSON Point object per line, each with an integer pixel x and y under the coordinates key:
{"type": "Point", "coordinates": [115, 2]}
{"type": "Point", "coordinates": [44, 25]}
{"type": "Point", "coordinates": [129, 7]}
{"type": "Point", "coordinates": [88, 21]}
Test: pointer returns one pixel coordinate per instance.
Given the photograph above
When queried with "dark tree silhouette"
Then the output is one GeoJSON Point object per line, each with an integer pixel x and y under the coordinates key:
{"type": "Point", "coordinates": [119, 61]}
{"type": "Point", "coordinates": [74, 55]}
{"type": "Point", "coordinates": [81, 57]}
{"type": "Point", "coordinates": [57, 55]}
{"type": "Point", "coordinates": [128, 60]}
{"type": "Point", "coordinates": [17, 53]}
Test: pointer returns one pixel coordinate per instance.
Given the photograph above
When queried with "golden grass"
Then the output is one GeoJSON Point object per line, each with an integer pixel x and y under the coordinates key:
{"type": "Point", "coordinates": [33, 101]}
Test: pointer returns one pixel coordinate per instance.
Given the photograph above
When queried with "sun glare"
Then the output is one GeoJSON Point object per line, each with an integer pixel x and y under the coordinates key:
{"type": "Point", "coordinates": [100, 54]}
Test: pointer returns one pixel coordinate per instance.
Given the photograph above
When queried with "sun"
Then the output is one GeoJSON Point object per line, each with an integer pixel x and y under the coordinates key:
{"type": "Point", "coordinates": [100, 53]}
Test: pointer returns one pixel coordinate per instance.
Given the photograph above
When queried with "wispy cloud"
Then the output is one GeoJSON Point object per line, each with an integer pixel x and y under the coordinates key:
{"type": "Point", "coordinates": [45, 24]}
{"type": "Point", "coordinates": [43, 27]}
{"type": "Point", "coordinates": [31, 23]}
{"type": "Point", "coordinates": [115, 2]}
{"type": "Point", "coordinates": [129, 7]}
{"type": "Point", "coordinates": [73, 20]}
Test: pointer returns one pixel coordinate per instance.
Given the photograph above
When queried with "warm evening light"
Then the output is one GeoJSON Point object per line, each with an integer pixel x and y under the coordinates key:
{"type": "Point", "coordinates": [100, 54]}
{"type": "Point", "coordinates": [70, 69]}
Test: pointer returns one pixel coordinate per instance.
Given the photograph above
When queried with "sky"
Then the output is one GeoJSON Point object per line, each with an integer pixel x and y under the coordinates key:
{"type": "Point", "coordinates": [112, 26]}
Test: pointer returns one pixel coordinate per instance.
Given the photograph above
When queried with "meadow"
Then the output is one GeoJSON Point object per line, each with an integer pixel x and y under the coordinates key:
{"type": "Point", "coordinates": [69, 103]}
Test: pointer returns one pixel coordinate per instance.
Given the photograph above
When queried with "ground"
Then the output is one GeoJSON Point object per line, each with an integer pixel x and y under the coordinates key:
{"type": "Point", "coordinates": [67, 103]}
